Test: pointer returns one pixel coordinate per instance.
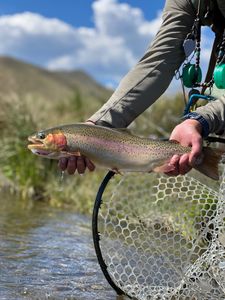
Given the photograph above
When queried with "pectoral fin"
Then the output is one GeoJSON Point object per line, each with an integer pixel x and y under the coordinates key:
{"type": "Point", "coordinates": [165, 168]}
{"type": "Point", "coordinates": [69, 154]}
{"type": "Point", "coordinates": [77, 153]}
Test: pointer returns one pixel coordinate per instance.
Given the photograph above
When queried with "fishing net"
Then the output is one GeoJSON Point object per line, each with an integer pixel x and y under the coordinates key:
{"type": "Point", "coordinates": [163, 237]}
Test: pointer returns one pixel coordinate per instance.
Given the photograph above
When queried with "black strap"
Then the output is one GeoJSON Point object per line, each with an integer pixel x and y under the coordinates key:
{"type": "Point", "coordinates": [212, 62]}
{"type": "Point", "coordinates": [218, 26]}
{"type": "Point", "coordinates": [218, 20]}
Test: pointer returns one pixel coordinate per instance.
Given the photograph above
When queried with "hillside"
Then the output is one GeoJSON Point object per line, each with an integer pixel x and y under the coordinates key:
{"type": "Point", "coordinates": [45, 91]}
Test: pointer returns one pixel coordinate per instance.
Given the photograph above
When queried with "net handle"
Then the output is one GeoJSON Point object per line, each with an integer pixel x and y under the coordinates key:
{"type": "Point", "coordinates": [96, 235]}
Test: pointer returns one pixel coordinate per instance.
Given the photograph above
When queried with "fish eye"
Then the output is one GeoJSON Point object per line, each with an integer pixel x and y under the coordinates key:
{"type": "Point", "coordinates": [41, 135]}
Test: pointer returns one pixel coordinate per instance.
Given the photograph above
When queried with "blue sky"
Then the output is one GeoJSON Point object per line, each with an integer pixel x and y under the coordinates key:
{"type": "Point", "coordinates": [74, 12]}
{"type": "Point", "coordinates": [103, 37]}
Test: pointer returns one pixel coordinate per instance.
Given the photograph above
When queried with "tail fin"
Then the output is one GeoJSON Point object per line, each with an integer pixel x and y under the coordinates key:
{"type": "Point", "coordinates": [212, 158]}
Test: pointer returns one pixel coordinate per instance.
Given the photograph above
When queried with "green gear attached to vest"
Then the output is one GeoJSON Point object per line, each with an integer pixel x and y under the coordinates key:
{"type": "Point", "coordinates": [207, 13]}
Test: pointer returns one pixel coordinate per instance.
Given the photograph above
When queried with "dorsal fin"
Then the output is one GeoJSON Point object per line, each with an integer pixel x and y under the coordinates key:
{"type": "Point", "coordinates": [173, 142]}
{"type": "Point", "coordinates": [123, 130]}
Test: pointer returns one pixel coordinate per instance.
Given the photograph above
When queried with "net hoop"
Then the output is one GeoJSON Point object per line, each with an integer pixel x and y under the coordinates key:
{"type": "Point", "coordinates": [96, 235]}
{"type": "Point", "coordinates": [159, 237]}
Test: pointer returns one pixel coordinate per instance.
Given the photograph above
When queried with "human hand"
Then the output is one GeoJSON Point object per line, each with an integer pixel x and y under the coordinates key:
{"type": "Point", "coordinates": [188, 133]}
{"type": "Point", "coordinates": [76, 163]}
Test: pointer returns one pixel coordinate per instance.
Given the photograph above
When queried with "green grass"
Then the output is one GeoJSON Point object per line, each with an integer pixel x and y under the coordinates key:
{"type": "Point", "coordinates": [36, 178]}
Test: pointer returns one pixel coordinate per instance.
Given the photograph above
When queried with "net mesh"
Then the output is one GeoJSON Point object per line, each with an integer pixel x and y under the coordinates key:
{"type": "Point", "coordinates": [163, 237]}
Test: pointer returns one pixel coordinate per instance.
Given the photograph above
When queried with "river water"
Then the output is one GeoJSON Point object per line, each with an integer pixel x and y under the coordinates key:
{"type": "Point", "coordinates": [47, 253]}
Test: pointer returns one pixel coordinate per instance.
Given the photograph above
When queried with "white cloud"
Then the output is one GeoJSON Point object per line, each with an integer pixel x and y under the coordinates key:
{"type": "Point", "coordinates": [107, 51]}
{"type": "Point", "coordinates": [121, 20]}
{"type": "Point", "coordinates": [37, 39]}
{"type": "Point", "coordinates": [34, 24]}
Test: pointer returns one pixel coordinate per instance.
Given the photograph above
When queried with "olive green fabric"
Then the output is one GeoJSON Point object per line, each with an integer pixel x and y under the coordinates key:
{"type": "Point", "coordinates": [221, 5]}
{"type": "Point", "coordinates": [215, 92]}
{"type": "Point", "coordinates": [214, 112]}
{"type": "Point", "coordinates": [203, 8]}
{"type": "Point", "coordinates": [151, 76]}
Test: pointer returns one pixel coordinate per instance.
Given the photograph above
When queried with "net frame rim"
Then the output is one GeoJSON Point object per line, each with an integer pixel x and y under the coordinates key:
{"type": "Point", "coordinates": [96, 235]}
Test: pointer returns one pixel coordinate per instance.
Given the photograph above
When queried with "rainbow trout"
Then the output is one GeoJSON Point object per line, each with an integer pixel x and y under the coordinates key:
{"type": "Point", "coordinates": [116, 149]}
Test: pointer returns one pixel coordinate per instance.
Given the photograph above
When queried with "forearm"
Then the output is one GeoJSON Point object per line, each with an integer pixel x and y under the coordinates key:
{"type": "Point", "coordinates": [147, 81]}
{"type": "Point", "coordinates": [214, 114]}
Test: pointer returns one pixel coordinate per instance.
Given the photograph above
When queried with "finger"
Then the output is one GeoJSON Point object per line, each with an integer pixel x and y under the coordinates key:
{"type": "Point", "coordinates": [174, 162]}
{"type": "Point", "coordinates": [195, 151]}
{"type": "Point", "coordinates": [89, 164]}
{"type": "Point", "coordinates": [63, 163]}
{"type": "Point", "coordinates": [72, 165]}
{"type": "Point", "coordinates": [184, 166]}
{"type": "Point", "coordinates": [81, 165]}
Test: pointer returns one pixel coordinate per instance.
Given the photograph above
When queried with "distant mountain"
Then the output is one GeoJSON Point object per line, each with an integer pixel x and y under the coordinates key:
{"type": "Point", "coordinates": [23, 78]}
{"type": "Point", "coordinates": [86, 85]}
{"type": "Point", "coordinates": [49, 91]}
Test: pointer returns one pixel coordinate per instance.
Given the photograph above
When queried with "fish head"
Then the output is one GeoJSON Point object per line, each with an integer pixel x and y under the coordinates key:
{"type": "Point", "coordinates": [47, 143]}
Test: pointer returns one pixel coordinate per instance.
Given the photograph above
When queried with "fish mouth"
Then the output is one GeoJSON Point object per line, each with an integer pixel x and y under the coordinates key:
{"type": "Point", "coordinates": [35, 143]}
{"type": "Point", "coordinates": [38, 147]}
{"type": "Point", "coordinates": [34, 140]}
